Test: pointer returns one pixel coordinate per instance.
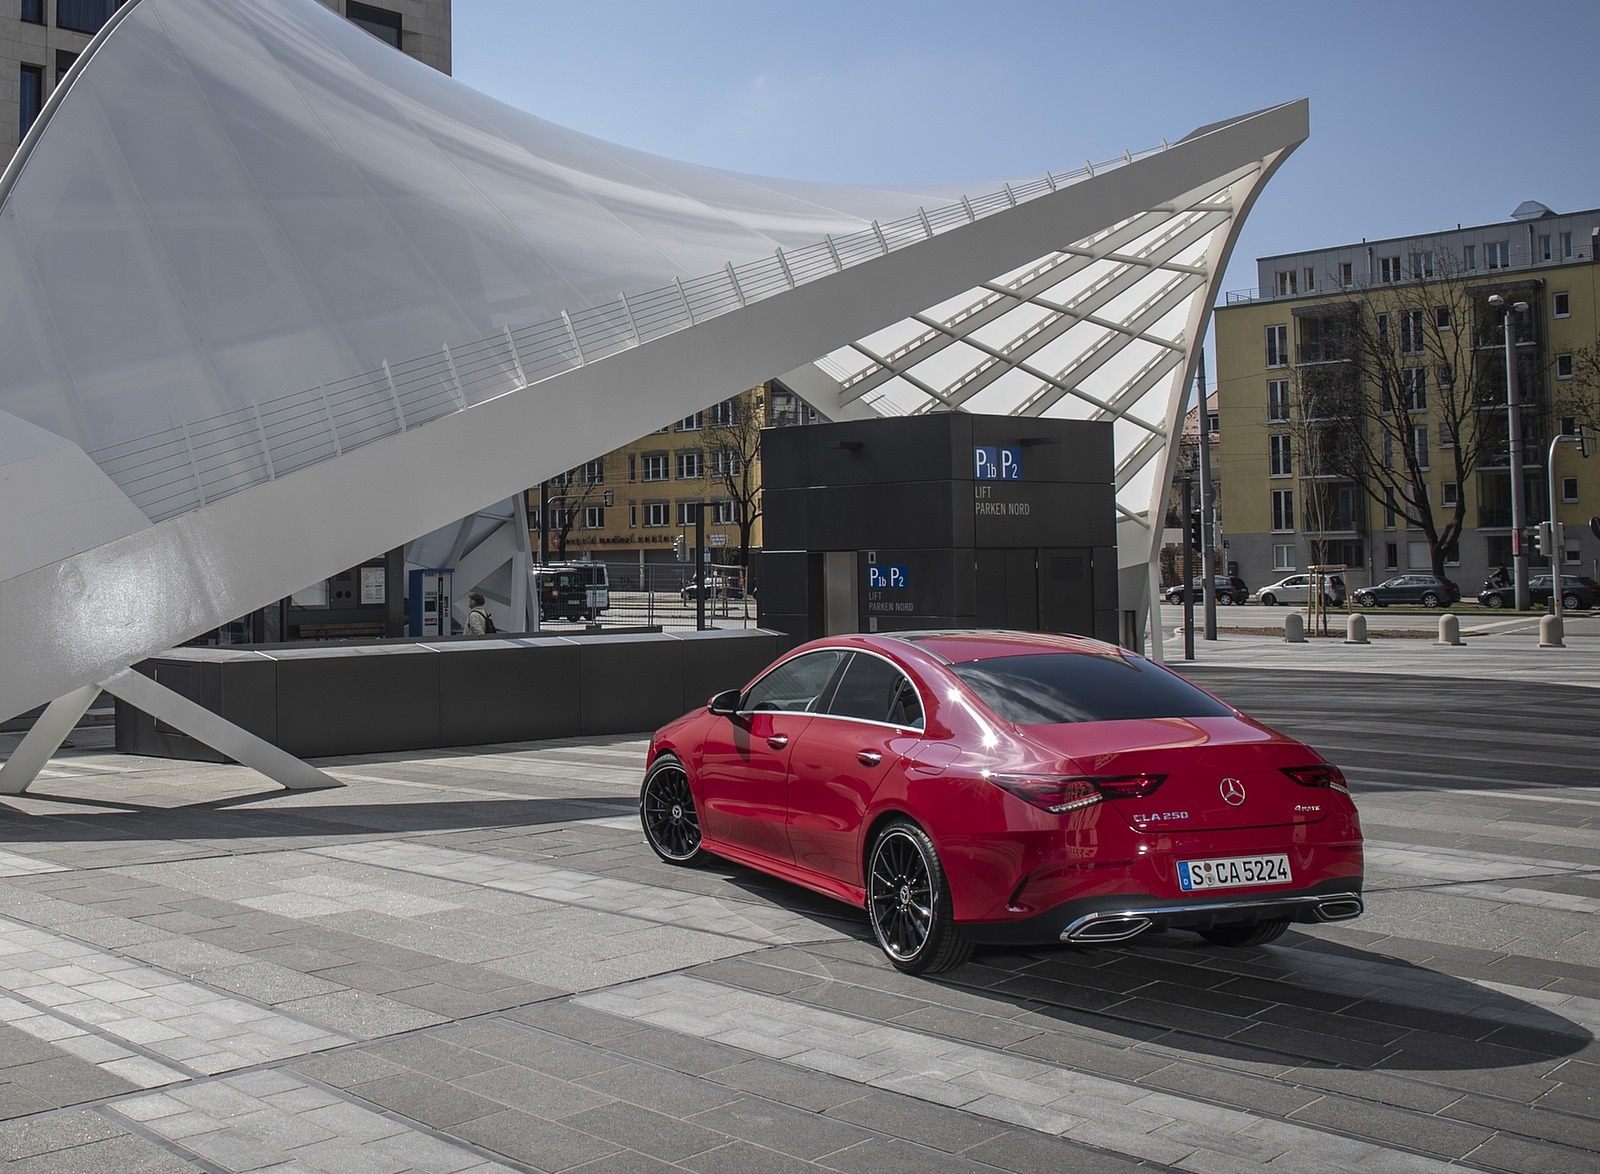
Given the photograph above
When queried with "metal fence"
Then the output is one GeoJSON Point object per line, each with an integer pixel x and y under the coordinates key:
{"type": "Point", "coordinates": [194, 462]}
{"type": "Point", "coordinates": [664, 595]}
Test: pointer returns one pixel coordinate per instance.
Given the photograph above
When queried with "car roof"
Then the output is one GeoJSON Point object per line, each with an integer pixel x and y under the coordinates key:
{"type": "Point", "coordinates": [956, 646]}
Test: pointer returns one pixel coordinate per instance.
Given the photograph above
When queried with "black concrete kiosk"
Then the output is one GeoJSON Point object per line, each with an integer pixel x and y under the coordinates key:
{"type": "Point", "coordinates": [947, 520]}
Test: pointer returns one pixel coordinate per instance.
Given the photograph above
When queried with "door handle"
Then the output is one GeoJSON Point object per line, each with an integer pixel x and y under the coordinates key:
{"type": "Point", "coordinates": [868, 757]}
{"type": "Point", "coordinates": [778, 741]}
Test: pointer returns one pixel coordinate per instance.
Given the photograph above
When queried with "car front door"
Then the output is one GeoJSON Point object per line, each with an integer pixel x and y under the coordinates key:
{"type": "Point", "coordinates": [744, 766]}
{"type": "Point", "coordinates": [874, 715]}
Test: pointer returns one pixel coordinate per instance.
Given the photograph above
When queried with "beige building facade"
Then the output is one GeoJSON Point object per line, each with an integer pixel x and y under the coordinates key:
{"type": "Point", "coordinates": [40, 39]}
{"type": "Point", "coordinates": [1405, 328]}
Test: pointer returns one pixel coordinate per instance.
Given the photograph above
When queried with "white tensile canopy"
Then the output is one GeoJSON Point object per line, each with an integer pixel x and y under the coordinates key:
{"type": "Point", "coordinates": [274, 298]}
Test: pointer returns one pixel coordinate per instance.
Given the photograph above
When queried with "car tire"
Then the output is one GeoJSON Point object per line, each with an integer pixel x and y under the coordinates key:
{"type": "Point", "coordinates": [1570, 601]}
{"type": "Point", "coordinates": [1363, 599]}
{"type": "Point", "coordinates": [1224, 598]}
{"type": "Point", "coordinates": [1429, 599]}
{"type": "Point", "coordinates": [1494, 602]}
{"type": "Point", "coordinates": [1269, 600]}
{"type": "Point", "coordinates": [1238, 936]}
{"type": "Point", "coordinates": [667, 813]}
{"type": "Point", "coordinates": [908, 902]}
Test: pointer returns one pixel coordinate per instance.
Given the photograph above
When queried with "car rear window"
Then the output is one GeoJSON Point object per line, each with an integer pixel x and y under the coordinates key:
{"type": "Point", "coordinates": [1073, 687]}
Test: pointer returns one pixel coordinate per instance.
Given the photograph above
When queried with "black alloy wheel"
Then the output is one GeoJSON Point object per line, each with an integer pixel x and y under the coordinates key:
{"type": "Point", "coordinates": [1570, 601]}
{"type": "Point", "coordinates": [666, 809]}
{"type": "Point", "coordinates": [908, 900]}
{"type": "Point", "coordinates": [1235, 936]}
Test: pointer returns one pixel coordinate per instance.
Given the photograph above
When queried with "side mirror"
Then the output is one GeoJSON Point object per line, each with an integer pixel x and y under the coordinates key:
{"type": "Point", "coordinates": [724, 704]}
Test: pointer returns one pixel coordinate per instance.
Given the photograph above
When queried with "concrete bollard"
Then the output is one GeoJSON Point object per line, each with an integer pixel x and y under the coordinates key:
{"type": "Point", "coordinates": [1449, 630]}
{"type": "Point", "coordinates": [1294, 628]}
{"type": "Point", "coordinates": [1550, 632]}
{"type": "Point", "coordinates": [1356, 631]}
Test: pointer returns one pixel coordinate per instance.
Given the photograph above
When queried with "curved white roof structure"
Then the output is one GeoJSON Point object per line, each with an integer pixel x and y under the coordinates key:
{"type": "Point", "coordinates": [274, 298]}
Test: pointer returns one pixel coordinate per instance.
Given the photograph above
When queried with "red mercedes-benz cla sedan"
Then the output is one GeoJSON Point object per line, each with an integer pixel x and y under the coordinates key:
{"type": "Point", "coordinates": [1006, 787]}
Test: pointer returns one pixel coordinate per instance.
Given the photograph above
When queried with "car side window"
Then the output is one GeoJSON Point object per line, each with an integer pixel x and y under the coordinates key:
{"type": "Point", "coordinates": [795, 685]}
{"type": "Point", "coordinates": [875, 691]}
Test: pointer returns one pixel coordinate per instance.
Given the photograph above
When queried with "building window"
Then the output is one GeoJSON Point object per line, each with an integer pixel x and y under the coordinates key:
{"type": "Point", "coordinates": [725, 414]}
{"type": "Point", "coordinates": [593, 473]}
{"type": "Point", "coordinates": [1282, 459]}
{"type": "Point", "coordinates": [1389, 510]}
{"type": "Point", "coordinates": [1562, 305]}
{"type": "Point", "coordinates": [1277, 346]}
{"type": "Point", "coordinates": [726, 462]}
{"type": "Point", "coordinates": [594, 517]}
{"type": "Point", "coordinates": [1346, 276]}
{"type": "Point", "coordinates": [691, 465]}
{"type": "Point", "coordinates": [1277, 399]}
{"type": "Point", "coordinates": [722, 513]}
{"type": "Point", "coordinates": [84, 16]}
{"type": "Point", "coordinates": [1441, 318]}
{"type": "Point", "coordinates": [1411, 341]}
{"type": "Point", "coordinates": [633, 468]}
{"type": "Point", "coordinates": [1214, 423]}
{"type": "Point", "coordinates": [1469, 257]}
{"type": "Point", "coordinates": [1563, 366]}
{"type": "Point", "coordinates": [1447, 435]}
{"type": "Point", "coordinates": [1569, 489]}
{"type": "Point", "coordinates": [1311, 279]}
{"type": "Point", "coordinates": [1421, 265]}
{"type": "Point", "coordinates": [633, 515]}
{"type": "Point", "coordinates": [1572, 555]}
{"type": "Point", "coordinates": [64, 62]}
{"type": "Point", "coordinates": [1283, 509]}
{"type": "Point", "coordinates": [688, 511]}
{"type": "Point", "coordinates": [380, 22]}
{"type": "Point", "coordinates": [1566, 245]}
{"type": "Point", "coordinates": [655, 513]}
{"type": "Point", "coordinates": [31, 97]}
{"type": "Point", "coordinates": [33, 11]}
{"type": "Point", "coordinates": [655, 466]}
{"type": "Point", "coordinates": [1286, 287]}
{"type": "Point", "coordinates": [1569, 425]}
{"type": "Point", "coordinates": [1283, 556]}
{"type": "Point", "coordinates": [1414, 389]}
{"type": "Point", "coordinates": [1544, 246]}
{"type": "Point", "coordinates": [1391, 556]}
{"type": "Point", "coordinates": [1447, 377]}
{"type": "Point", "coordinates": [1499, 254]}
{"type": "Point", "coordinates": [690, 423]}
{"type": "Point", "coordinates": [1389, 269]}
{"type": "Point", "coordinates": [1419, 445]}
{"type": "Point", "coordinates": [1449, 496]}
{"type": "Point", "coordinates": [1383, 331]}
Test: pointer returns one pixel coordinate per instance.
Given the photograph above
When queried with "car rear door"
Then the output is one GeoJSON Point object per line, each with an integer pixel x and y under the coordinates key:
{"type": "Point", "coordinates": [873, 716]}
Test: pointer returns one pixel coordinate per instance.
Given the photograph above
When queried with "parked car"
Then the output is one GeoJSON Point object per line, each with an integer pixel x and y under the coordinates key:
{"type": "Point", "coordinates": [1577, 592]}
{"type": "Point", "coordinates": [1296, 589]}
{"type": "Point", "coordinates": [1227, 591]}
{"type": "Point", "coordinates": [592, 577]}
{"type": "Point", "coordinates": [1428, 590]}
{"type": "Point", "coordinates": [717, 587]}
{"type": "Point", "coordinates": [970, 787]}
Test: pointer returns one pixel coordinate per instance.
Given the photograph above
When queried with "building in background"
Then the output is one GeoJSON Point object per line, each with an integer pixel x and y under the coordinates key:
{"type": "Point", "coordinates": [636, 506]}
{"type": "Point", "coordinates": [40, 39]}
{"type": "Point", "coordinates": [1363, 392]}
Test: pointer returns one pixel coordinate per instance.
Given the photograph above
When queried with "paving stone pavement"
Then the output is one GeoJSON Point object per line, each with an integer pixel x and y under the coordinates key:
{"type": "Point", "coordinates": [467, 960]}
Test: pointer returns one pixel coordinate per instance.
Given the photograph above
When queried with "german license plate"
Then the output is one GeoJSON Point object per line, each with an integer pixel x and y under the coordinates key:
{"type": "Point", "coordinates": [1232, 872]}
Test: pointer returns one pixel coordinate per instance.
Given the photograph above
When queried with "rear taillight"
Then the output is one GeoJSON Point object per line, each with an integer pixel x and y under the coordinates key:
{"type": "Point", "coordinates": [1324, 774]}
{"type": "Point", "coordinates": [1059, 793]}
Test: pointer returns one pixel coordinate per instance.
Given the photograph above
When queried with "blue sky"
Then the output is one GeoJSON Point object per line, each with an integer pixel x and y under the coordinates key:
{"type": "Point", "coordinates": [1423, 114]}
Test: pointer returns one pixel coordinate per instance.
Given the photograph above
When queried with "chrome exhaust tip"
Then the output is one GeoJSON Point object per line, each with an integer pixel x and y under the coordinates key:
{"type": "Point", "coordinates": [1116, 928]}
{"type": "Point", "coordinates": [1341, 908]}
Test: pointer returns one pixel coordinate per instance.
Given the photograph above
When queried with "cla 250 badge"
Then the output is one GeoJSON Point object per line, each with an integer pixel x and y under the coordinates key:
{"type": "Point", "coordinates": [1159, 816]}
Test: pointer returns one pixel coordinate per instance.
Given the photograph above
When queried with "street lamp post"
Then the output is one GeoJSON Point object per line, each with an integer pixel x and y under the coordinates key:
{"type": "Point", "coordinates": [1519, 553]}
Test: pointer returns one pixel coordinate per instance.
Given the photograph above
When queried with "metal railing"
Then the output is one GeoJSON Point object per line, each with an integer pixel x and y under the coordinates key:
{"type": "Point", "coordinates": [195, 462]}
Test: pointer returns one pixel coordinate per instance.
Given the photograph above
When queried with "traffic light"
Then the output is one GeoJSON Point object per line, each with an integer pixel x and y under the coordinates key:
{"type": "Point", "coordinates": [1197, 530]}
{"type": "Point", "coordinates": [680, 549]}
{"type": "Point", "coordinates": [1545, 542]}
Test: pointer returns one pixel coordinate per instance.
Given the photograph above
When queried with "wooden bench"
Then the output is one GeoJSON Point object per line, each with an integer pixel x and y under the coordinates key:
{"type": "Point", "coordinates": [338, 631]}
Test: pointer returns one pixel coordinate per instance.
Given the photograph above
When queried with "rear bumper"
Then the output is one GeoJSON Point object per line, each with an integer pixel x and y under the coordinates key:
{"type": "Point", "coordinates": [1118, 918]}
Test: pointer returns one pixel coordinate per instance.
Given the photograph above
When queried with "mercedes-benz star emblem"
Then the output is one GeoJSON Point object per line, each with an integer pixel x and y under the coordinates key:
{"type": "Point", "coordinates": [1232, 791]}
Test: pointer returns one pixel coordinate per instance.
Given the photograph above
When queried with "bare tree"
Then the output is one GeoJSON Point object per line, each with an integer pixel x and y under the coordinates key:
{"type": "Point", "coordinates": [569, 495]}
{"type": "Point", "coordinates": [733, 447]}
{"type": "Point", "coordinates": [1386, 386]}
